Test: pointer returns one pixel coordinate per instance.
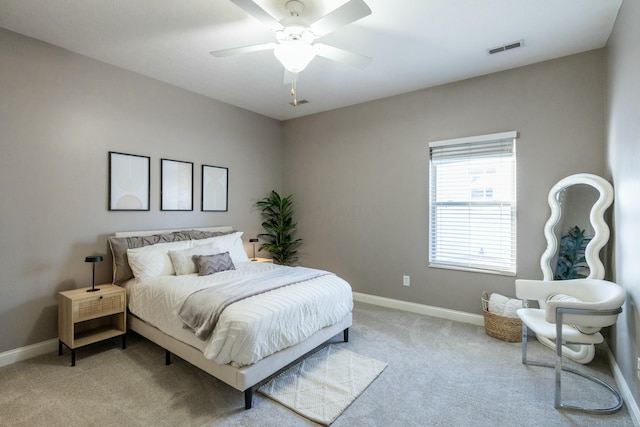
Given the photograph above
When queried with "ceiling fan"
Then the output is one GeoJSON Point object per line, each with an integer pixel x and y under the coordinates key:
{"type": "Point", "coordinates": [294, 46]}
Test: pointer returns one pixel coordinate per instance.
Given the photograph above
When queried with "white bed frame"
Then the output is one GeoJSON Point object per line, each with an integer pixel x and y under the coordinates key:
{"type": "Point", "coordinates": [246, 378]}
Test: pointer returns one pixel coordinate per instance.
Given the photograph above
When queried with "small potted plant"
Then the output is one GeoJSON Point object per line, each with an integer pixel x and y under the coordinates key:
{"type": "Point", "coordinates": [279, 240]}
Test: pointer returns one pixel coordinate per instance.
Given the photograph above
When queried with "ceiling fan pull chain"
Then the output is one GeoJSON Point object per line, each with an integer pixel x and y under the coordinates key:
{"type": "Point", "coordinates": [293, 91]}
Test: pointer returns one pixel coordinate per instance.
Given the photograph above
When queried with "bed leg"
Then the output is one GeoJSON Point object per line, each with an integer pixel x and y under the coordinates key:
{"type": "Point", "coordinates": [345, 333]}
{"type": "Point", "coordinates": [248, 398]}
{"type": "Point", "coordinates": [167, 357]}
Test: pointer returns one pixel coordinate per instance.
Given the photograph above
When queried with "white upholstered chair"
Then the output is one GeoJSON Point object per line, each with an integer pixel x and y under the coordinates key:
{"type": "Point", "coordinates": [574, 312]}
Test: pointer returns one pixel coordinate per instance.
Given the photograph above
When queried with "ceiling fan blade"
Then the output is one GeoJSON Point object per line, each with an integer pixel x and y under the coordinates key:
{"type": "Point", "coordinates": [340, 55]}
{"type": "Point", "coordinates": [259, 13]}
{"type": "Point", "coordinates": [243, 49]}
{"type": "Point", "coordinates": [345, 14]}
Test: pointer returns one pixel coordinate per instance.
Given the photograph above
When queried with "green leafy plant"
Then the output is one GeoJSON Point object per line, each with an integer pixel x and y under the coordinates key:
{"type": "Point", "coordinates": [572, 263]}
{"type": "Point", "coordinates": [279, 241]}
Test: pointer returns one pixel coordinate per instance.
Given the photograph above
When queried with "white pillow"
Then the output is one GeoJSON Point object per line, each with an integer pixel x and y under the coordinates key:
{"type": "Point", "coordinates": [153, 260]}
{"type": "Point", "coordinates": [231, 243]}
{"type": "Point", "coordinates": [183, 260]}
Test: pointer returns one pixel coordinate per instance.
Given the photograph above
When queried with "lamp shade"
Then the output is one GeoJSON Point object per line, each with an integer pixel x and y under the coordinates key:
{"type": "Point", "coordinates": [294, 55]}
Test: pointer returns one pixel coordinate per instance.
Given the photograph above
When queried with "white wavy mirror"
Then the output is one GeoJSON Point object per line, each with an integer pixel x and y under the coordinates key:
{"type": "Point", "coordinates": [575, 193]}
{"type": "Point", "coordinates": [598, 225]}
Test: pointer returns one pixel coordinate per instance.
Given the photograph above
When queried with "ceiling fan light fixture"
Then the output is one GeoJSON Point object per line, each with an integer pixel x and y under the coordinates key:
{"type": "Point", "coordinates": [295, 48]}
{"type": "Point", "coordinates": [294, 55]}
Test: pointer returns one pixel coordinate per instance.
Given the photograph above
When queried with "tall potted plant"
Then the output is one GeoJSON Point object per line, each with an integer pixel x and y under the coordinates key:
{"type": "Point", "coordinates": [279, 241]}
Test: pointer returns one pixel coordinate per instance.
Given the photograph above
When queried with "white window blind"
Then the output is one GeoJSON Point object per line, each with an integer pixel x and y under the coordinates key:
{"type": "Point", "coordinates": [473, 203]}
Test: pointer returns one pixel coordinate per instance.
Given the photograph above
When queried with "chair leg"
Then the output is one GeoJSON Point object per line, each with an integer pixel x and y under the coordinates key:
{"type": "Point", "coordinates": [524, 343]}
{"type": "Point", "coordinates": [600, 411]}
{"type": "Point", "coordinates": [558, 375]}
{"type": "Point", "coordinates": [558, 389]}
{"type": "Point", "coordinates": [558, 366]}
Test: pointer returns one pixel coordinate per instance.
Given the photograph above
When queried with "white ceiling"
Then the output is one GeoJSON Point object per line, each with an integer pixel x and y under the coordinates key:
{"type": "Point", "coordinates": [414, 43]}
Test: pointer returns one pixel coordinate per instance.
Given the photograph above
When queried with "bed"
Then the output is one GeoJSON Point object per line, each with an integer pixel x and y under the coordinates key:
{"type": "Point", "coordinates": [254, 338]}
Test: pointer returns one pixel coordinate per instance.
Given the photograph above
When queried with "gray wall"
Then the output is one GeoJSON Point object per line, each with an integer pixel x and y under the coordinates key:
{"type": "Point", "coordinates": [60, 114]}
{"type": "Point", "coordinates": [623, 161]}
{"type": "Point", "coordinates": [359, 175]}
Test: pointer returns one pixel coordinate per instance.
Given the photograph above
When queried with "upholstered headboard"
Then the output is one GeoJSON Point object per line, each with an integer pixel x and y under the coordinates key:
{"type": "Point", "coordinates": [121, 241]}
{"type": "Point", "coordinates": [222, 229]}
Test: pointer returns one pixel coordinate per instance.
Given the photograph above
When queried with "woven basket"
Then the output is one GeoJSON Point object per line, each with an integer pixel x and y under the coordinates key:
{"type": "Point", "coordinates": [504, 328]}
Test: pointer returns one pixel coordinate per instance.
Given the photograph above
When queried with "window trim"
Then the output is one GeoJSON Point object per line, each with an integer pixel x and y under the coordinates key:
{"type": "Point", "coordinates": [509, 135]}
{"type": "Point", "coordinates": [471, 139]}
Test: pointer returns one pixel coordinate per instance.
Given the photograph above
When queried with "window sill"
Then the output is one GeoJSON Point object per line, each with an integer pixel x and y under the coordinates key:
{"type": "Point", "coordinates": [472, 270]}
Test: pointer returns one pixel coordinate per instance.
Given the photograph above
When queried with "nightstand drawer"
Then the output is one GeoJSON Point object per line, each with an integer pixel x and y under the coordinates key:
{"type": "Point", "coordinates": [90, 308]}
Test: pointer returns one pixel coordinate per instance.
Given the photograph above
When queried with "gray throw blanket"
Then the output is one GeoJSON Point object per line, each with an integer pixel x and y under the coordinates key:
{"type": "Point", "coordinates": [202, 309]}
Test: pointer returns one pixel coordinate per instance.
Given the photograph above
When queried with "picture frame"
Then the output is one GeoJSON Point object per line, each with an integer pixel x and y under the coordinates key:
{"type": "Point", "coordinates": [176, 185]}
{"type": "Point", "coordinates": [129, 182]}
{"type": "Point", "coordinates": [215, 189]}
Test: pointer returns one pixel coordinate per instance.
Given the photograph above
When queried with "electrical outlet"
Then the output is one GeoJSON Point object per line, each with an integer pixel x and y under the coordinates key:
{"type": "Point", "coordinates": [638, 369]}
{"type": "Point", "coordinates": [406, 281]}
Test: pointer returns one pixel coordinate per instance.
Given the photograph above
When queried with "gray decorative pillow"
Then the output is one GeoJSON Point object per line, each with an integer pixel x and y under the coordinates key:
{"type": "Point", "coordinates": [209, 264]}
{"type": "Point", "coordinates": [182, 260]}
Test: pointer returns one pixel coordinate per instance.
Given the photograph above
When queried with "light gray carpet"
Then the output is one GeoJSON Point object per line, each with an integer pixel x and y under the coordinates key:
{"type": "Point", "coordinates": [439, 373]}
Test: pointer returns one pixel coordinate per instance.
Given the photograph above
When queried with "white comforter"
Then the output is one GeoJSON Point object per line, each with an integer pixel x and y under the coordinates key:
{"type": "Point", "coordinates": [250, 329]}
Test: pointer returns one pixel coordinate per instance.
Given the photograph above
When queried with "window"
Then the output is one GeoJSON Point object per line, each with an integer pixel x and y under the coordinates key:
{"type": "Point", "coordinates": [472, 203]}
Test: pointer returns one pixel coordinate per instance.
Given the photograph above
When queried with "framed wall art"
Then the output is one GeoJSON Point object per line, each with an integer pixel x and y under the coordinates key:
{"type": "Point", "coordinates": [129, 178]}
{"type": "Point", "coordinates": [215, 187]}
{"type": "Point", "coordinates": [176, 185]}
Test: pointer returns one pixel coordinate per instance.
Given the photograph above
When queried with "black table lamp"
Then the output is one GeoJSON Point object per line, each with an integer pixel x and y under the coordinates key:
{"type": "Point", "coordinates": [93, 259]}
{"type": "Point", "coordinates": [253, 241]}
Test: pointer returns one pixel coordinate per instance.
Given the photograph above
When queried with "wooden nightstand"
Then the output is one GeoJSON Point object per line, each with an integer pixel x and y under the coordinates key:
{"type": "Point", "coordinates": [88, 317]}
{"type": "Point", "coordinates": [258, 259]}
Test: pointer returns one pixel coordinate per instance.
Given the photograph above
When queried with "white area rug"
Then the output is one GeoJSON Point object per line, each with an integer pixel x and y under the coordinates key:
{"type": "Point", "coordinates": [323, 385]}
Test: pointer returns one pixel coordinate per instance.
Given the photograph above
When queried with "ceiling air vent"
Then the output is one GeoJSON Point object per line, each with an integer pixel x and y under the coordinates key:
{"type": "Point", "coordinates": [302, 101]}
{"type": "Point", "coordinates": [504, 48]}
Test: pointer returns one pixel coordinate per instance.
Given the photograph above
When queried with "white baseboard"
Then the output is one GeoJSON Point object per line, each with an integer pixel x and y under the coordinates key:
{"type": "Point", "coordinates": [625, 391]}
{"type": "Point", "coordinates": [442, 313]}
{"type": "Point", "coordinates": [27, 352]}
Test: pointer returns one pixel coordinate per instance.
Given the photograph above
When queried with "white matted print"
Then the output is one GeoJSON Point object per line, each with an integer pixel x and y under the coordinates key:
{"type": "Point", "coordinates": [129, 177]}
{"type": "Point", "coordinates": [215, 186]}
{"type": "Point", "coordinates": [176, 185]}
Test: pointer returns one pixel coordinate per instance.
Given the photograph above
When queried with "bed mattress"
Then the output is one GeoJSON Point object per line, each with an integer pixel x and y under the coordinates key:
{"type": "Point", "coordinates": [250, 329]}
